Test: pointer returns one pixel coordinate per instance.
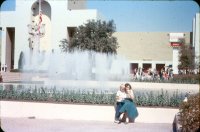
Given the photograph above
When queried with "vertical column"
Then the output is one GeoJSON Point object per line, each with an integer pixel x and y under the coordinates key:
{"type": "Point", "coordinates": [140, 64]}
{"type": "Point", "coordinates": [197, 38]}
{"type": "Point", "coordinates": [153, 65]}
{"type": "Point", "coordinates": [3, 47]}
{"type": "Point", "coordinates": [175, 60]}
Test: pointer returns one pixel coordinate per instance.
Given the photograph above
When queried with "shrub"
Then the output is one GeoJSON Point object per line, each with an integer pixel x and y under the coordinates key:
{"type": "Point", "coordinates": [190, 114]}
{"type": "Point", "coordinates": [142, 97]}
{"type": "Point", "coordinates": [158, 98]}
{"type": "Point", "coordinates": [186, 78]}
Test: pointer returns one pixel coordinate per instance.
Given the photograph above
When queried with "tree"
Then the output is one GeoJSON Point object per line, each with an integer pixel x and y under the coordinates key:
{"type": "Point", "coordinates": [186, 57]}
{"type": "Point", "coordinates": [64, 45]}
{"type": "Point", "coordinates": [93, 36]}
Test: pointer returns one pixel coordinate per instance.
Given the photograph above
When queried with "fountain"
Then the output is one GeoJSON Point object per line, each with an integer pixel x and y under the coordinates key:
{"type": "Point", "coordinates": [79, 66]}
{"type": "Point", "coordinates": [74, 66]}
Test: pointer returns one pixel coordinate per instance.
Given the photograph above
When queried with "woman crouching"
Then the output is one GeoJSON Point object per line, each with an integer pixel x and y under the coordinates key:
{"type": "Point", "coordinates": [128, 110]}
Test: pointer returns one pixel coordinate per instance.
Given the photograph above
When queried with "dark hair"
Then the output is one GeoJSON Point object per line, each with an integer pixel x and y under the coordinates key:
{"type": "Point", "coordinates": [127, 84]}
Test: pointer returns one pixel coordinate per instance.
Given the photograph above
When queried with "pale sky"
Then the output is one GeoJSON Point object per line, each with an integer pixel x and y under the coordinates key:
{"type": "Point", "coordinates": [143, 16]}
{"type": "Point", "coordinates": [147, 16]}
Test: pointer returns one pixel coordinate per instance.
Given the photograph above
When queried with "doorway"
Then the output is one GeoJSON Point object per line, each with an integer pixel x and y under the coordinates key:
{"type": "Point", "coordinates": [133, 67]}
{"type": "Point", "coordinates": [146, 66]}
{"type": "Point", "coordinates": [10, 47]}
{"type": "Point", "coordinates": [159, 66]}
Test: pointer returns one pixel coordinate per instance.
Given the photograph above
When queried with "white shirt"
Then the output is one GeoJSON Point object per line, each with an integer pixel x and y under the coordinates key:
{"type": "Point", "coordinates": [121, 95]}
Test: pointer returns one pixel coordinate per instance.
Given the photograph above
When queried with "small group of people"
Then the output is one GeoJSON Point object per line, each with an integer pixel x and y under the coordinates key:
{"type": "Point", "coordinates": [165, 73]}
{"type": "Point", "coordinates": [126, 110]}
{"type": "Point", "coordinates": [4, 67]}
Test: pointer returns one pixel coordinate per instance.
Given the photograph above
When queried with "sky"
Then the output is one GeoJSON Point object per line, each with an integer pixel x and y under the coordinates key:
{"type": "Point", "coordinates": [143, 16]}
{"type": "Point", "coordinates": [147, 16]}
{"type": "Point", "coordinates": [10, 6]}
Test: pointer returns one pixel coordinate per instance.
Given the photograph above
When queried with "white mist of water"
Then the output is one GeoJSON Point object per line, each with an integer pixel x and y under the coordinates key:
{"type": "Point", "coordinates": [79, 65]}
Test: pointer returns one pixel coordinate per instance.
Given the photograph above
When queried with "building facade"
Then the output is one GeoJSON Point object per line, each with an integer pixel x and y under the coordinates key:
{"type": "Point", "coordinates": [150, 49]}
{"type": "Point", "coordinates": [196, 38]}
{"type": "Point", "coordinates": [53, 20]}
{"type": "Point", "coordinates": [47, 22]}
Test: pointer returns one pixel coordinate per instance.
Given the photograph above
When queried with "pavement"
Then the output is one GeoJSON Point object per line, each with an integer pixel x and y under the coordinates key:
{"type": "Point", "coordinates": [48, 117]}
{"type": "Point", "coordinates": [17, 109]}
{"type": "Point", "coordinates": [60, 125]}
{"type": "Point", "coordinates": [18, 116]}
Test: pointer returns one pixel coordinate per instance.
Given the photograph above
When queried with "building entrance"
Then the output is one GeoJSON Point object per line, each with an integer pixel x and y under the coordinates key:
{"type": "Point", "coordinates": [146, 66]}
{"type": "Point", "coordinates": [159, 66]}
{"type": "Point", "coordinates": [10, 46]}
{"type": "Point", "coordinates": [133, 67]}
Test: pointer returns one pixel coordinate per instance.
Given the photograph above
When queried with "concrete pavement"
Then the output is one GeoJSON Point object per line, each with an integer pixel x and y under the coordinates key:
{"type": "Point", "coordinates": [48, 117]}
{"type": "Point", "coordinates": [14, 109]}
{"type": "Point", "coordinates": [59, 125]}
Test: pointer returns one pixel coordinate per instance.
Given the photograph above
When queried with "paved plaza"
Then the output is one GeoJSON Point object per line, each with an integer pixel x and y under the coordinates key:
{"type": "Point", "coordinates": [56, 125]}
{"type": "Point", "coordinates": [48, 117]}
{"type": "Point", "coordinates": [19, 116]}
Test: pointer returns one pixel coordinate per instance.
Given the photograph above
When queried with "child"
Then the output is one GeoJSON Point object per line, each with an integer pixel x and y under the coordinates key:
{"type": "Point", "coordinates": [119, 98]}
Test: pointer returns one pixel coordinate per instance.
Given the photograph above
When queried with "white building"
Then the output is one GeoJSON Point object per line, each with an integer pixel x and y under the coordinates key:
{"type": "Point", "coordinates": [196, 37]}
{"type": "Point", "coordinates": [59, 19]}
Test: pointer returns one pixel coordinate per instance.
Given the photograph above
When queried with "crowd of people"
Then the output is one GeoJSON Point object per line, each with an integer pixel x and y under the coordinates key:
{"type": "Point", "coordinates": [163, 74]}
{"type": "Point", "coordinates": [4, 67]}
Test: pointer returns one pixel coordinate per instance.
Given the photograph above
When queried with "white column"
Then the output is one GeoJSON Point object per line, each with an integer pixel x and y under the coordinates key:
{"type": "Point", "coordinates": [140, 64]}
{"type": "Point", "coordinates": [153, 66]}
{"type": "Point", "coordinates": [196, 39]}
{"type": "Point", "coordinates": [3, 46]}
{"type": "Point", "coordinates": [175, 59]}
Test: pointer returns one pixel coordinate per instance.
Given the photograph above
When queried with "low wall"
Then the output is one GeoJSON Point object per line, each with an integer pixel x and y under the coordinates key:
{"type": "Point", "coordinates": [15, 109]}
{"type": "Point", "coordinates": [113, 85]}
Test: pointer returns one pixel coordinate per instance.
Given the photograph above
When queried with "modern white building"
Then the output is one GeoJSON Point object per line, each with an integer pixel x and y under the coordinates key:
{"type": "Point", "coordinates": [21, 25]}
{"type": "Point", "coordinates": [47, 22]}
{"type": "Point", "coordinates": [196, 37]}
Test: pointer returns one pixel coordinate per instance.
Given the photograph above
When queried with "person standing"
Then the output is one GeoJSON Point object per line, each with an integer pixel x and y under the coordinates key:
{"type": "Point", "coordinates": [5, 67]}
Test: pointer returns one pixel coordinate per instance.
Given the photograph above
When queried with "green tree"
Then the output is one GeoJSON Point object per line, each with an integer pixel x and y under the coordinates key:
{"type": "Point", "coordinates": [93, 36]}
{"type": "Point", "coordinates": [64, 45]}
{"type": "Point", "coordinates": [186, 57]}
